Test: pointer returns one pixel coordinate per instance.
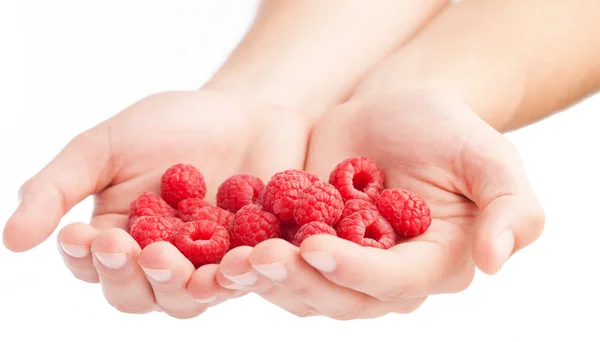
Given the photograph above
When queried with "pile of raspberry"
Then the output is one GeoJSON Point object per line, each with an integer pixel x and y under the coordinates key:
{"type": "Point", "coordinates": [293, 205]}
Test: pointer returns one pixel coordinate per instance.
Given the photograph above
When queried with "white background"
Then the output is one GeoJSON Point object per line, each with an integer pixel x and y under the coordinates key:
{"type": "Point", "coordinates": [67, 65]}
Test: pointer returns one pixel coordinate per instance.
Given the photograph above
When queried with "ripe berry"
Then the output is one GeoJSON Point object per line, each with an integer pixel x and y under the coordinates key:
{"type": "Point", "coordinates": [408, 214]}
{"type": "Point", "coordinates": [202, 242]}
{"type": "Point", "coordinates": [355, 205]}
{"type": "Point", "coordinates": [182, 181]}
{"type": "Point", "coordinates": [282, 191]}
{"type": "Point", "coordinates": [312, 228]}
{"type": "Point", "coordinates": [367, 229]}
{"type": "Point", "coordinates": [149, 204]}
{"type": "Point", "coordinates": [357, 178]}
{"type": "Point", "coordinates": [149, 229]}
{"type": "Point", "coordinates": [252, 225]}
{"type": "Point", "coordinates": [318, 202]}
{"type": "Point", "coordinates": [189, 206]}
{"type": "Point", "coordinates": [211, 213]}
{"type": "Point", "coordinates": [238, 191]}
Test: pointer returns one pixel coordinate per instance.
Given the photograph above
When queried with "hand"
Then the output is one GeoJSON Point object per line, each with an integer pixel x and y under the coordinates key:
{"type": "Point", "coordinates": [126, 155]}
{"type": "Point", "coordinates": [483, 209]}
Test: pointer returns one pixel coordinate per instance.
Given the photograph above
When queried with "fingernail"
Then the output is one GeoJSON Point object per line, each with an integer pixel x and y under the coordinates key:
{"type": "Point", "coordinates": [233, 286]}
{"type": "Point", "coordinates": [112, 260]}
{"type": "Point", "coordinates": [323, 261]}
{"type": "Point", "coordinates": [246, 279]}
{"type": "Point", "coordinates": [504, 245]}
{"type": "Point", "coordinates": [158, 275]}
{"type": "Point", "coordinates": [75, 251]}
{"type": "Point", "coordinates": [275, 271]}
{"type": "Point", "coordinates": [206, 300]}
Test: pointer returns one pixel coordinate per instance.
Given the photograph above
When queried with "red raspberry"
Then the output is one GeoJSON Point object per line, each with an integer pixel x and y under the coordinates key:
{"type": "Point", "coordinates": [182, 181]}
{"type": "Point", "coordinates": [357, 178]}
{"type": "Point", "coordinates": [175, 222]}
{"type": "Point", "coordinates": [202, 242]}
{"type": "Point", "coordinates": [211, 213]}
{"type": "Point", "coordinates": [281, 192]}
{"type": "Point", "coordinates": [367, 229]}
{"type": "Point", "coordinates": [311, 177]}
{"type": "Point", "coordinates": [319, 202]}
{"type": "Point", "coordinates": [189, 206]}
{"type": "Point", "coordinates": [408, 213]}
{"type": "Point", "coordinates": [149, 204]}
{"type": "Point", "coordinates": [312, 228]}
{"type": "Point", "coordinates": [149, 229]}
{"type": "Point", "coordinates": [355, 205]}
{"type": "Point", "coordinates": [238, 191]}
{"type": "Point", "coordinates": [251, 225]}
{"type": "Point", "coordinates": [290, 231]}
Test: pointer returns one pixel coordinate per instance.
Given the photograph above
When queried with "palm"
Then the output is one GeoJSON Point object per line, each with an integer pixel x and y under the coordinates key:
{"type": "Point", "coordinates": [218, 135]}
{"type": "Point", "coordinates": [427, 144]}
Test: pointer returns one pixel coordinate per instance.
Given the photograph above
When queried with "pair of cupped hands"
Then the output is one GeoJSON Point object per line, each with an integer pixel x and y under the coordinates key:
{"type": "Point", "coordinates": [482, 205]}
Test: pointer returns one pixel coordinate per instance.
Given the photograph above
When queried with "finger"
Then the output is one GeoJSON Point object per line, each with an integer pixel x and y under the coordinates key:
{"type": "Point", "coordinates": [168, 272]}
{"type": "Point", "coordinates": [123, 282]}
{"type": "Point", "coordinates": [281, 262]}
{"type": "Point", "coordinates": [410, 270]}
{"type": "Point", "coordinates": [507, 224]}
{"type": "Point", "coordinates": [107, 221]}
{"type": "Point", "coordinates": [75, 241]}
{"type": "Point", "coordinates": [511, 217]}
{"type": "Point", "coordinates": [236, 268]}
{"type": "Point", "coordinates": [204, 288]}
{"type": "Point", "coordinates": [78, 171]}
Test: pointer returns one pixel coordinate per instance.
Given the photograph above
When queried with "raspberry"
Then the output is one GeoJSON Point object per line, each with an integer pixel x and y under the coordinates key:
{"type": "Point", "coordinates": [149, 229]}
{"type": "Point", "coordinates": [251, 225]}
{"type": "Point", "coordinates": [290, 231]}
{"type": "Point", "coordinates": [189, 206]}
{"type": "Point", "coordinates": [408, 213]}
{"type": "Point", "coordinates": [238, 191]}
{"type": "Point", "coordinates": [355, 205]}
{"type": "Point", "coordinates": [312, 228]}
{"type": "Point", "coordinates": [367, 229]}
{"type": "Point", "coordinates": [281, 192]}
{"type": "Point", "coordinates": [175, 222]}
{"type": "Point", "coordinates": [182, 181]}
{"type": "Point", "coordinates": [211, 213]}
{"type": "Point", "coordinates": [319, 202]}
{"type": "Point", "coordinates": [311, 177]}
{"type": "Point", "coordinates": [202, 242]}
{"type": "Point", "coordinates": [357, 178]}
{"type": "Point", "coordinates": [149, 204]}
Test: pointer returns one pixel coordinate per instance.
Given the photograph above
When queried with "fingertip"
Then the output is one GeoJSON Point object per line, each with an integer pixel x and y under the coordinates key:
{"type": "Point", "coordinates": [491, 253]}
{"type": "Point", "coordinates": [271, 251]}
{"type": "Point", "coordinates": [163, 255]}
{"type": "Point", "coordinates": [20, 233]}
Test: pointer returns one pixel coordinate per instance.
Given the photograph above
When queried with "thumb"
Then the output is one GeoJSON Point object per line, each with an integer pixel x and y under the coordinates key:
{"type": "Point", "coordinates": [74, 174]}
{"type": "Point", "coordinates": [510, 217]}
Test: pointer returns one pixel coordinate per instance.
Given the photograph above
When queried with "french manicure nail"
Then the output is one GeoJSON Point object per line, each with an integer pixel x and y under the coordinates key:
{"type": "Point", "coordinates": [504, 245]}
{"type": "Point", "coordinates": [206, 300]}
{"type": "Point", "coordinates": [158, 275]}
{"type": "Point", "coordinates": [246, 279]}
{"type": "Point", "coordinates": [112, 260]}
{"type": "Point", "coordinates": [275, 271]}
{"type": "Point", "coordinates": [322, 261]}
{"type": "Point", "coordinates": [75, 251]}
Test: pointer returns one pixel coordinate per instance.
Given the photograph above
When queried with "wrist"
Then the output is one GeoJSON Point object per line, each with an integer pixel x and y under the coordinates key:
{"type": "Point", "coordinates": [491, 83]}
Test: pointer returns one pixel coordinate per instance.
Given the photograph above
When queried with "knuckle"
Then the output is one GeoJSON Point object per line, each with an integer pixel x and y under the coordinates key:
{"type": "Point", "coordinates": [354, 311]}
{"type": "Point", "coordinates": [393, 293]}
{"type": "Point", "coordinates": [302, 291]}
{"type": "Point", "coordinates": [267, 291]}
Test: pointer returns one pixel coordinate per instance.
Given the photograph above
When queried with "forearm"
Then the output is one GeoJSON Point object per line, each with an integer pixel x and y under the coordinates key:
{"type": "Point", "coordinates": [513, 61]}
{"type": "Point", "coordinates": [313, 52]}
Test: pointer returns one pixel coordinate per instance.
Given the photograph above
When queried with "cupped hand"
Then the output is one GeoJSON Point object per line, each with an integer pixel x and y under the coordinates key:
{"type": "Point", "coordinates": [482, 205]}
{"type": "Point", "coordinates": [126, 155]}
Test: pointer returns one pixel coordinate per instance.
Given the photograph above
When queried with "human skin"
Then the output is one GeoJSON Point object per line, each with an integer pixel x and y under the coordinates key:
{"type": "Point", "coordinates": [432, 115]}
{"type": "Point", "coordinates": [254, 116]}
